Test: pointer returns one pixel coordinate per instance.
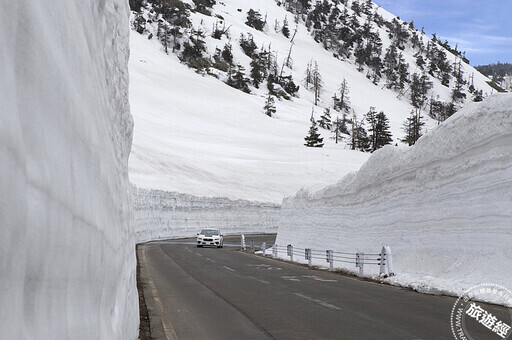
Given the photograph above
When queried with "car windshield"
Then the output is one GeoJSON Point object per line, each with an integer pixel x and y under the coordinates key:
{"type": "Point", "coordinates": [209, 232]}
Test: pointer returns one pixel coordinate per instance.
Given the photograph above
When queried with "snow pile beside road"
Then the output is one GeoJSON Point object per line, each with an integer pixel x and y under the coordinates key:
{"type": "Point", "coordinates": [444, 206]}
{"type": "Point", "coordinates": [161, 214]}
{"type": "Point", "coordinates": [67, 258]}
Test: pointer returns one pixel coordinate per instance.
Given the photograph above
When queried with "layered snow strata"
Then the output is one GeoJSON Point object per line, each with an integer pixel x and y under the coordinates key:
{"type": "Point", "coordinates": [444, 206]}
{"type": "Point", "coordinates": [161, 214]}
{"type": "Point", "coordinates": [67, 258]}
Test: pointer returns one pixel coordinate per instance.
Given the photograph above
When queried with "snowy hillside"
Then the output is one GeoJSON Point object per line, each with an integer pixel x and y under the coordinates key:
{"type": "Point", "coordinates": [444, 205]}
{"type": "Point", "coordinates": [195, 134]}
{"type": "Point", "coordinates": [220, 144]}
{"type": "Point", "coordinates": [67, 258]}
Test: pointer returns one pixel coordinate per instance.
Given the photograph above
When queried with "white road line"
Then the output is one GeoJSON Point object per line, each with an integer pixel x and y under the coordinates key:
{"type": "Point", "coordinates": [188, 249]}
{"type": "Point", "coordinates": [316, 278]}
{"type": "Point", "coordinates": [230, 269]}
{"type": "Point", "coordinates": [264, 266]}
{"type": "Point", "coordinates": [290, 278]}
{"type": "Point", "coordinates": [198, 254]}
{"type": "Point", "coordinates": [259, 280]}
{"type": "Point", "coordinates": [320, 302]}
{"type": "Point", "coordinates": [209, 259]}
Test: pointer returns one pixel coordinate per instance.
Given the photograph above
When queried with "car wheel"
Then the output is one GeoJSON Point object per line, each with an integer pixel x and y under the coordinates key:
{"type": "Point", "coordinates": [199, 246]}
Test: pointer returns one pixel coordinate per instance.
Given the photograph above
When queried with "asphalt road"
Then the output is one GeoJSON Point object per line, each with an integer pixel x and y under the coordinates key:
{"type": "Point", "coordinates": [210, 293]}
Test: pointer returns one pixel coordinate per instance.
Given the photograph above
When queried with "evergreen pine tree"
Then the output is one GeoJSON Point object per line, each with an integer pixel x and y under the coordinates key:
{"type": "Point", "coordinates": [356, 7]}
{"type": "Point", "coordinates": [367, 7]}
{"type": "Point", "coordinates": [478, 96]}
{"type": "Point", "coordinates": [193, 49]}
{"type": "Point", "coordinates": [325, 119]}
{"type": "Point", "coordinates": [384, 136]}
{"type": "Point", "coordinates": [403, 72]}
{"type": "Point", "coordinates": [285, 29]}
{"type": "Point", "coordinates": [371, 119]}
{"type": "Point", "coordinates": [313, 139]}
{"type": "Point", "coordinates": [339, 127]}
{"type": "Point", "coordinates": [378, 128]}
{"type": "Point", "coordinates": [391, 66]}
{"type": "Point", "coordinates": [237, 79]}
{"type": "Point", "coordinates": [248, 45]}
{"type": "Point", "coordinates": [226, 54]}
{"type": "Point", "coordinates": [420, 62]}
{"type": "Point", "coordinates": [269, 108]}
{"type": "Point", "coordinates": [343, 102]}
{"type": "Point", "coordinates": [164, 35]}
{"type": "Point", "coordinates": [457, 92]}
{"type": "Point", "coordinates": [317, 82]}
{"type": "Point", "coordinates": [258, 70]}
{"type": "Point", "coordinates": [359, 137]}
{"type": "Point", "coordinates": [420, 85]}
{"type": "Point", "coordinates": [308, 75]}
{"type": "Point", "coordinates": [413, 126]}
{"type": "Point", "coordinates": [139, 23]}
{"type": "Point", "coordinates": [254, 20]}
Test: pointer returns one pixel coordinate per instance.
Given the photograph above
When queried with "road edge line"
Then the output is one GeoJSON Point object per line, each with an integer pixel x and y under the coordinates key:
{"type": "Point", "coordinates": [150, 289]}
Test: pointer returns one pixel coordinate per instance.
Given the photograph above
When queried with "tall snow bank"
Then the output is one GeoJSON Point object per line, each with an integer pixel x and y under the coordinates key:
{"type": "Point", "coordinates": [67, 259]}
{"type": "Point", "coordinates": [444, 206]}
{"type": "Point", "coordinates": [162, 214]}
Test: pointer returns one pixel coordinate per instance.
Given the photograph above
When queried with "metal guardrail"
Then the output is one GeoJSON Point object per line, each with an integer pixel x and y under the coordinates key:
{"type": "Point", "coordinates": [384, 259]}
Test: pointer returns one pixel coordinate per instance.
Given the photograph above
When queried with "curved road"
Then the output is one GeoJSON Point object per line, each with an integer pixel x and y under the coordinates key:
{"type": "Point", "coordinates": [210, 293]}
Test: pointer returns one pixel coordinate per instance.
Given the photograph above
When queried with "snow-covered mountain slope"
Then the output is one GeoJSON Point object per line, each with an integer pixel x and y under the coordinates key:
{"type": "Point", "coordinates": [67, 258]}
{"type": "Point", "coordinates": [444, 205]}
{"type": "Point", "coordinates": [195, 134]}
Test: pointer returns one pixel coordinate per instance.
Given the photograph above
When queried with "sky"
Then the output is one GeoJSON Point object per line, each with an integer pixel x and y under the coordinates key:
{"type": "Point", "coordinates": [482, 28]}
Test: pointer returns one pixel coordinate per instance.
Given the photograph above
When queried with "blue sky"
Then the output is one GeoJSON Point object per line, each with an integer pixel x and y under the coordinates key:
{"type": "Point", "coordinates": [482, 28]}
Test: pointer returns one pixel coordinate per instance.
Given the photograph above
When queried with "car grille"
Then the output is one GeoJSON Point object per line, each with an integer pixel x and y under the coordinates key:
{"type": "Point", "coordinates": [208, 239]}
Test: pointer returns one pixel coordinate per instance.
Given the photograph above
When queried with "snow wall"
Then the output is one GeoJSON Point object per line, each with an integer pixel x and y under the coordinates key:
{"type": "Point", "coordinates": [162, 214]}
{"type": "Point", "coordinates": [67, 254]}
{"type": "Point", "coordinates": [444, 206]}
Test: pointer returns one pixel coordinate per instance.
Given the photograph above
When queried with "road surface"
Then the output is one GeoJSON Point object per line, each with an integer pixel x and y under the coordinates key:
{"type": "Point", "coordinates": [210, 293]}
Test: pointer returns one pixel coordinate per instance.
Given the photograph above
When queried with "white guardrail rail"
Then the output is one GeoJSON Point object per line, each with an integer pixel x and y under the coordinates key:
{"type": "Point", "coordinates": [384, 259]}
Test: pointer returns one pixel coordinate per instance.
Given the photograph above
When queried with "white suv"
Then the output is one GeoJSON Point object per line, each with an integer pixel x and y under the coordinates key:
{"type": "Point", "coordinates": [210, 237]}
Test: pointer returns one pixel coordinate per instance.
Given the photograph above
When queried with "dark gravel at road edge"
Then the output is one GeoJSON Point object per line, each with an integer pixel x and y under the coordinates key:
{"type": "Point", "coordinates": [144, 327]}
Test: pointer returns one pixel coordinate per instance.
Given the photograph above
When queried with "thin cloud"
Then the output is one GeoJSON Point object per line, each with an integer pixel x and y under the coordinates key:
{"type": "Point", "coordinates": [498, 39]}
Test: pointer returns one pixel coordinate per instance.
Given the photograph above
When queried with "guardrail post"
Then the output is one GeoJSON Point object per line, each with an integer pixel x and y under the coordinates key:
{"type": "Point", "coordinates": [329, 256]}
{"type": "Point", "coordinates": [382, 261]}
{"type": "Point", "coordinates": [252, 246]}
{"type": "Point", "coordinates": [389, 260]}
{"type": "Point", "coordinates": [263, 247]}
{"type": "Point", "coordinates": [360, 262]}
{"type": "Point", "coordinates": [274, 250]}
{"type": "Point", "coordinates": [243, 242]}
{"type": "Point", "coordinates": [289, 248]}
{"type": "Point", "coordinates": [307, 255]}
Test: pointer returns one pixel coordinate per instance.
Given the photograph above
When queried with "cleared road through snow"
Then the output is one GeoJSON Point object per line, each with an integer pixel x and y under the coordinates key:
{"type": "Point", "coordinates": [210, 293]}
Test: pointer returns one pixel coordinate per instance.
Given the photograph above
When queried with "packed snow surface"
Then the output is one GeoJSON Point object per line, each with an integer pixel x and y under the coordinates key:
{"type": "Point", "coordinates": [159, 215]}
{"type": "Point", "coordinates": [67, 258]}
{"type": "Point", "coordinates": [444, 206]}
